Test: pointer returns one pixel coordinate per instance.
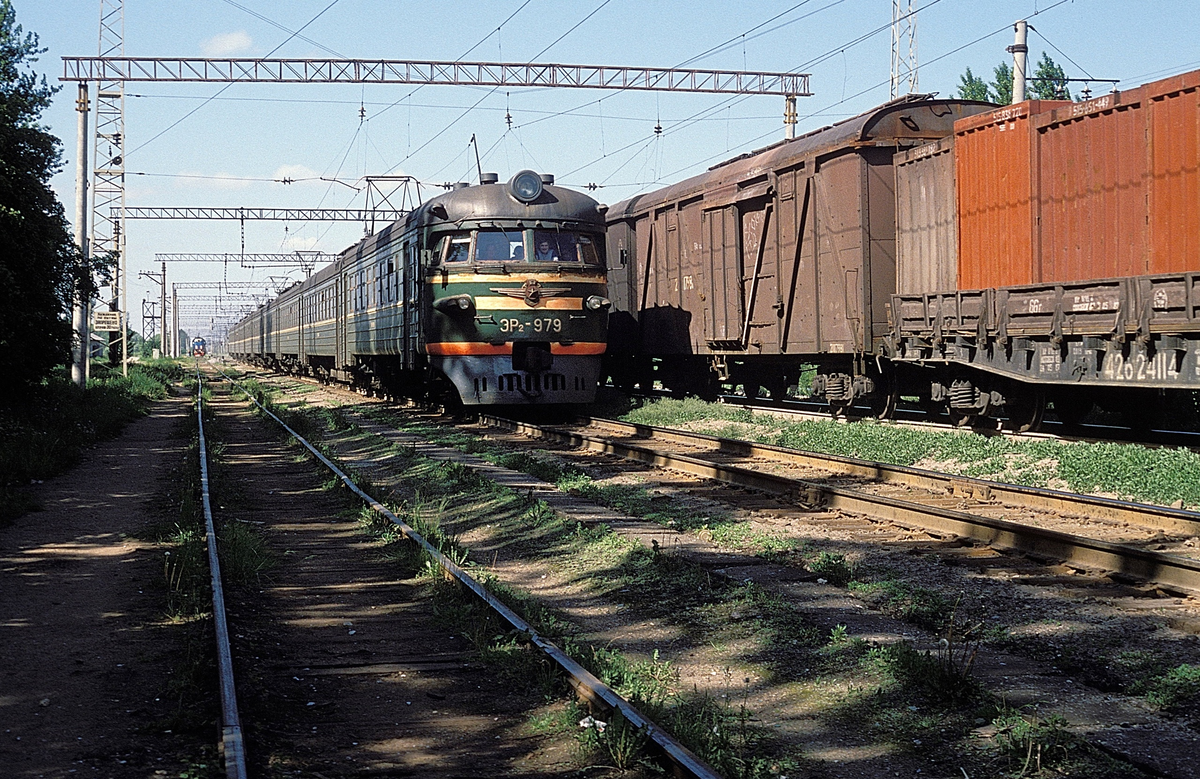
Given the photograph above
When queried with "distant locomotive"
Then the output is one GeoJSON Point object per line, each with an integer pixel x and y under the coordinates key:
{"type": "Point", "coordinates": [199, 347]}
{"type": "Point", "coordinates": [494, 294]}
{"type": "Point", "coordinates": [979, 259]}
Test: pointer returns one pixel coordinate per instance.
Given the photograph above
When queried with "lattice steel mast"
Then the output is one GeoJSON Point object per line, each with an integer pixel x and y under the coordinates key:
{"type": "Point", "coordinates": [108, 187]}
{"type": "Point", "coordinates": [904, 47]}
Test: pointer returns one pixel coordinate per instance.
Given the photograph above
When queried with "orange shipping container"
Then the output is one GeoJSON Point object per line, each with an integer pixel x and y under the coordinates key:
{"type": "Point", "coordinates": [1174, 137]}
{"type": "Point", "coordinates": [997, 196]}
{"type": "Point", "coordinates": [1092, 165]}
{"type": "Point", "coordinates": [1062, 192]}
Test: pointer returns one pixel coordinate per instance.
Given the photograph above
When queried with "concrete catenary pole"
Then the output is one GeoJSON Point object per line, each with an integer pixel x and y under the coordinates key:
{"type": "Point", "coordinates": [79, 313]}
{"type": "Point", "coordinates": [162, 338]}
{"type": "Point", "coordinates": [1020, 52]}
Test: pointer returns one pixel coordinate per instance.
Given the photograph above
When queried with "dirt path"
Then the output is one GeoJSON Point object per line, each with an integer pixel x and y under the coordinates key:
{"type": "Point", "coordinates": [85, 652]}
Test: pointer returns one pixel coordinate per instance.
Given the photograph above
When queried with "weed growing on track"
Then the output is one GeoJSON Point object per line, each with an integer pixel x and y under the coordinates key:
{"type": "Point", "coordinates": [1175, 688]}
{"type": "Point", "coordinates": [1030, 746]}
{"type": "Point", "coordinates": [188, 596]}
{"type": "Point", "coordinates": [1160, 475]}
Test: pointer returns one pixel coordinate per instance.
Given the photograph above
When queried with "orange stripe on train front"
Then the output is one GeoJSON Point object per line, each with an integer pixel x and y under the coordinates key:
{"type": "Point", "coordinates": [476, 349]}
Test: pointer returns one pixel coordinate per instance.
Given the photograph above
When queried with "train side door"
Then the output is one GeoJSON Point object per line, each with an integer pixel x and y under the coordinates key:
{"type": "Point", "coordinates": [840, 253]}
{"type": "Point", "coordinates": [692, 276]}
{"type": "Point", "coordinates": [725, 305]}
{"type": "Point", "coordinates": [760, 290]}
{"type": "Point", "coordinates": [410, 272]}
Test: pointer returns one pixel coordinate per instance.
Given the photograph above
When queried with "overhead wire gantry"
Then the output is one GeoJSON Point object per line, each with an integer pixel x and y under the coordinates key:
{"type": "Point", "coordinates": [112, 70]}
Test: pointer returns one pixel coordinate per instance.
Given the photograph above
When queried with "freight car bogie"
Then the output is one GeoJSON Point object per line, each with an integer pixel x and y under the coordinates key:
{"type": "Point", "coordinates": [967, 397]}
{"type": "Point", "coordinates": [856, 381]}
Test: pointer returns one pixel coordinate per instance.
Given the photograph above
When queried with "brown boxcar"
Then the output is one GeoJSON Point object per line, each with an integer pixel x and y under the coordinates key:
{"type": "Point", "coordinates": [926, 219]}
{"type": "Point", "coordinates": [783, 256]}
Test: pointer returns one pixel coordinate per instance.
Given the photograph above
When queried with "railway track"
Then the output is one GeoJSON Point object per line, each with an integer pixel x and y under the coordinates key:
{"type": "Point", "coordinates": [1025, 586]}
{"type": "Point", "coordinates": [1050, 523]}
{"type": "Point", "coordinates": [335, 643]}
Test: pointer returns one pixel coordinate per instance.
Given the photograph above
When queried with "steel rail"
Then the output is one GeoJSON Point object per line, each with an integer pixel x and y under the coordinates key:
{"type": "Point", "coordinates": [233, 743]}
{"type": "Point", "coordinates": [583, 681]}
{"type": "Point", "coordinates": [1111, 509]}
{"type": "Point", "coordinates": [1168, 570]}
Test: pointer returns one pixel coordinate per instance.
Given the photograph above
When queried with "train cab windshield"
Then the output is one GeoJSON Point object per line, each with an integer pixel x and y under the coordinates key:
{"type": "Point", "coordinates": [523, 246]}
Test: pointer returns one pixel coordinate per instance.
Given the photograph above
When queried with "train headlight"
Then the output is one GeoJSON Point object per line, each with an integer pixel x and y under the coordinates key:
{"type": "Point", "coordinates": [455, 304]}
{"type": "Point", "coordinates": [525, 186]}
{"type": "Point", "coordinates": [595, 303]}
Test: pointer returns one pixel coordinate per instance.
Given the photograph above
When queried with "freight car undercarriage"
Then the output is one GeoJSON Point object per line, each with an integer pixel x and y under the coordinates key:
{"type": "Point", "coordinates": [1124, 344]}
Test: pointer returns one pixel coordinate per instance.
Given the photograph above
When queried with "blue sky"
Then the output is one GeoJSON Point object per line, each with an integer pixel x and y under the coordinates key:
{"type": "Point", "coordinates": [233, 149]}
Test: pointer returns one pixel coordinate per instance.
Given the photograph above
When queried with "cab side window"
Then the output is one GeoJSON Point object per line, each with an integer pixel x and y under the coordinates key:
{"type": "Point", "coordinates": [459, 249]}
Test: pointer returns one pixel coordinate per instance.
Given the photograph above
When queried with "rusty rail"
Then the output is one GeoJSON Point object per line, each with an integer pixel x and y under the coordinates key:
{"type": "Point", "coordinates": [232, 742]}
{"type": "Point", "coordinates": [1168, 570]}
{"type": "Point", "coordinates": [1160, 517]}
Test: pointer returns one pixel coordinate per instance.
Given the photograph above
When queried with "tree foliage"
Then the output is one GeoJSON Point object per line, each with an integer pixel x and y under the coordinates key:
{"type": "Point", "coordinates": [972, 87]}
{"type": "Point", "coordinates": [39, 264]}
{"type": "Point", "coordinates": [1048, 82]}
{"type": "Point", "coordinates": [1002, 84]}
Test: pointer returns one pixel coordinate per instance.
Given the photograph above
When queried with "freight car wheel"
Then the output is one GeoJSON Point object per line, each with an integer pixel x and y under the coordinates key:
{"type": "Point", "coordinates": [1026, 411]}
{"type": "Point", "coordinates": [886, 396]}
{"type": "Point", "coordinates": [960, 418]}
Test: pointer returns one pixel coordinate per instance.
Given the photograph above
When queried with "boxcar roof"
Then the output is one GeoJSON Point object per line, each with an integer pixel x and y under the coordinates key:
{"type": "Point", "coordinates": [905, 121]}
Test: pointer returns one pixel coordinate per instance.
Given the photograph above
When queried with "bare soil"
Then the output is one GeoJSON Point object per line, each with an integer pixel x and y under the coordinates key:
{"type": "Point", "coordinates": [86, 653]}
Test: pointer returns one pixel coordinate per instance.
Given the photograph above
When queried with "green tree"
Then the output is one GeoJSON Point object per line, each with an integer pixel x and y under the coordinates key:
{"type": "Point", "coordinates": [1049, 82]}
{"type": "Point", "coordinates": [1002, 84]}
{"type": "Point", "coordinates": [39, 264]}
{"type": "Point", "coordinates": [147, 346]}
{"type": "Point", "coordinates": [972, 87]}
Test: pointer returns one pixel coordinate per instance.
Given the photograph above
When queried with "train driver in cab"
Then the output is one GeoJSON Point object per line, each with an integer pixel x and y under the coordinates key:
{"type": "Point", "coordinates": [544, 251]}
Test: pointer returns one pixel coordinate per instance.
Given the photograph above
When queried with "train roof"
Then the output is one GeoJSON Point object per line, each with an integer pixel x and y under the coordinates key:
{"type": "Point", "coordinates": [906, 121]}
{"type": "Point", "coordinates": [474, 206]}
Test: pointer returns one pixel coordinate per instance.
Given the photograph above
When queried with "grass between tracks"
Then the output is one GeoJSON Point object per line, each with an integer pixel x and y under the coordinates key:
{"type": "Point", "coordinates": [1161, 475]}
{"type": "Point", "coordinates": [187, 583]}
{"type": "Point", "coordinates": [916, 703]}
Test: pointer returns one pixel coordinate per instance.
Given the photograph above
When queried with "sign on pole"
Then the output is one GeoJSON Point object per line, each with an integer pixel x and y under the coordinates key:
{"type": "Point", "coordinates": [107, 320]}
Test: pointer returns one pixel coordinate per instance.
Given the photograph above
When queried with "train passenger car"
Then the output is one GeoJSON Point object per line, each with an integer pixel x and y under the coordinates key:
{"type": "Point", "coordinates": [494, 293]}
{"type": "Point", "coordinates": [771, 262]}
{"type": "Point", "coordinates": [1074, 277]}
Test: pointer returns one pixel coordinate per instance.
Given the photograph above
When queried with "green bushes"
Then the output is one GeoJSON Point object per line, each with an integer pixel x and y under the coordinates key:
{"type": "Point", "coordinates": [43, 436]}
